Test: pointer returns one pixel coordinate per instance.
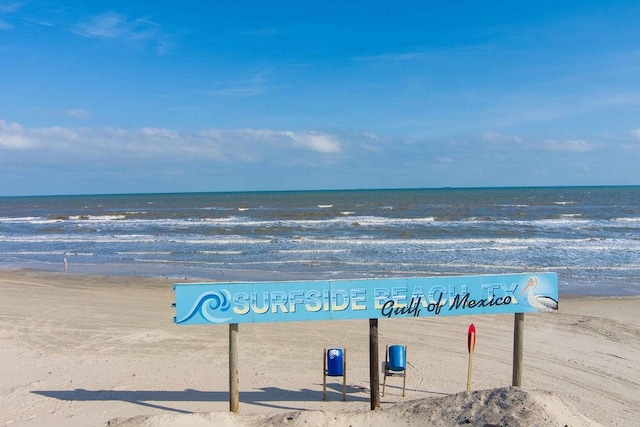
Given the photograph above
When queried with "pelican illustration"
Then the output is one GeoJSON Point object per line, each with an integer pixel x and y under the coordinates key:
{"type": "Point", "coordinates": [539, 302]}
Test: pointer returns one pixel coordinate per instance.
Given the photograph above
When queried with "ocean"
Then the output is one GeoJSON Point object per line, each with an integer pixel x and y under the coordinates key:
{"type": "Point", "coordinates": [590, 236]}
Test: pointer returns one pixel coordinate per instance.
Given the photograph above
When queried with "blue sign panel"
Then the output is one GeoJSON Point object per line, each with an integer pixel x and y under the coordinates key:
{"type": "Point", "coordinates": [242, 302]}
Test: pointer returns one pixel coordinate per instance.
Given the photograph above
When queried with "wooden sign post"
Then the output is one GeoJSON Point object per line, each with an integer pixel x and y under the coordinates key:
{"type": "Point", "coordinates": [374, 375]}
{"type": "Point", "coordinates": [471, 345]}
{"type": "Point", "coordinates": [518, 345]}
{"type": "Point", "coordinates": [234, 382]}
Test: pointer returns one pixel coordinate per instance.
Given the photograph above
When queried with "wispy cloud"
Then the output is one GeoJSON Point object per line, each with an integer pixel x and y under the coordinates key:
{"type": "Point", "coordinates": [221, 154]}
{"type": "Point", "coordinates": [632, 142]}
{"type": "Point", "coordinates": [498, 137]}
{"type": "Point", "coordinates": [76, 113]}
{"type": "Point", "coordinates": [571, 146]}
{"type": "Point", "coordinates": [315, 141]}
{"type": "Point", "coordinates": [268, 144]}
{"type": "Point", "coordinates": [502, 141]}
{"type": "Point", "coordinates": [15, 137]}
{"type": "Point", "coordinates": [263, 32]}
{"type": "Point", "coordinates": [159, 143]}
{"type": "Point", "coordinates": [247, 88]}
{"type": "Point", "coordinates": [113, 25]}
{"type": "Point", "coordinates": [393, 57]}
{"type": "Point", "coordinates": [7, 10]}
{"type": "Point", "coordinates": [140, 32]}
{"type": "Point", "coordinates": [238, 91]}
{"type": "Point", "coordinates": [463, 51]}
{"type": "Point", "coordinates": [444, 160]}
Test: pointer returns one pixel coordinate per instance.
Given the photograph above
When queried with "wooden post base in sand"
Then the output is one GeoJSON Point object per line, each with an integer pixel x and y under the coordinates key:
{"type": "Point", "coordinates": [518, 348]}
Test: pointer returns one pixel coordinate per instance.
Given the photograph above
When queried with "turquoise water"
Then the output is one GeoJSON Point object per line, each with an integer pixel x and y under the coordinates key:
{"type": "Point", "coordinates": [589, 235]}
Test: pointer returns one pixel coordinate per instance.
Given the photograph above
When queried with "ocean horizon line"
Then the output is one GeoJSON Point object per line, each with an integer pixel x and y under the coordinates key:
{"type": "Point", "coordinates": [336, 190]}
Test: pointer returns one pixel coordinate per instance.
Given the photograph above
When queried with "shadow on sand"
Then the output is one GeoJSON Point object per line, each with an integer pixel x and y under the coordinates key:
{"type": "Point", "coordinates": [265, 396]}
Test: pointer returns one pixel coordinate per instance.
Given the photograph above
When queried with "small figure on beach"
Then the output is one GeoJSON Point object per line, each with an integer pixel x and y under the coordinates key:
{"type": "Point", "coordinates": [65, 264]}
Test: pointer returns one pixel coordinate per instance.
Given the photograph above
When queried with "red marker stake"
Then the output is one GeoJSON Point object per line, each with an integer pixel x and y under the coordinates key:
{"type": "Point", "coordinates": [471, 346]}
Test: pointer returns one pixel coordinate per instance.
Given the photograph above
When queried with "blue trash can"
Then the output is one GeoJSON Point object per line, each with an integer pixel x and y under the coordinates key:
{"type": "Point", "coordinates": [397, 359]}
{"type": "Point", "coordinates": [335, 362]}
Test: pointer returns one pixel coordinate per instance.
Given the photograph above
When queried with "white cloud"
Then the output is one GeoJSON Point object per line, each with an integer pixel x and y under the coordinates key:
{"type": "Point", "coordinates": [241, 158]}
{"type": "Point", "coordinates": [632, 143]}
{"type": "Point", "coordinates": [370, 142]}
{"type": "Point", "coordinates": [16, 142]}
{"type": "Point", "coordinates": [263, 32]}
{"type": "Point", "coordinates": [77, 113]}
{"type": "Point", "coordinates": [240, 91]}
{"type": "Point", "coordinates": [568, 145]}
{"type": "Point", "coordinates": [574, 146]}
{"type": "Point", "coordinates": [315, 141]}
{"type": "Point", "coordinates": [139, 32]}
{"type": "Point", "coordinates": [15, 137]}
{"type": "Point", "coordinates": [109, 25]}
{"type": "Point", "coordinates": [6, 11]}
{"type": "Point", "coordinates": [255, 133]}
{"type": "Point", "coordinates": [255, 85]}
{"type": "Point", "coordinates": [56, 133]}
{"type": "Point", "coordinates": [393, 57]}
{"type": "Point", "coordinates": [497, 137]}
{"type": "Point", "coordinates": [163, 144]}
{"type": "Point", "coordinates": [155, 133]}
{"type": "Point", "coordinates": [370, 135]}
{"type": "Point", "coordinates": [432, 54]}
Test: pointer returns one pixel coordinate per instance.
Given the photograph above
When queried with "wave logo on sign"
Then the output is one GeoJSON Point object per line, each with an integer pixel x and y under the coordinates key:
{"type": "Point", "coordinates": [208, 304]}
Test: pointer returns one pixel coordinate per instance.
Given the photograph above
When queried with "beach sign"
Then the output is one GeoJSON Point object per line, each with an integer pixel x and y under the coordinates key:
{"type": "Point", "coordinates": [289, 301]}
{"type": "Point", "coordinates": [242, 302]}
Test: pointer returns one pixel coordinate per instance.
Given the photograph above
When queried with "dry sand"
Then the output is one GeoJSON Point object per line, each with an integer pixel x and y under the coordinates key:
{"type": "Point", "coordinates": [91, 350]}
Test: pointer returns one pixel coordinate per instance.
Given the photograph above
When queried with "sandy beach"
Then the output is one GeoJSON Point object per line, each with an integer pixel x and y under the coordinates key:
{"type": "Point", "coordinates": [89, 350]}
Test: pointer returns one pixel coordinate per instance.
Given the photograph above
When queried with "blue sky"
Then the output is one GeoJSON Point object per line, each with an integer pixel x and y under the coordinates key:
{"type": "Point", "coordinates": [166, 96]}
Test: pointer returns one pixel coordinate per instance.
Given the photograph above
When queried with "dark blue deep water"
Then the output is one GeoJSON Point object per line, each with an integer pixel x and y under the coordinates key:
{"type": "Point", "coordinates": [589, 235]}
